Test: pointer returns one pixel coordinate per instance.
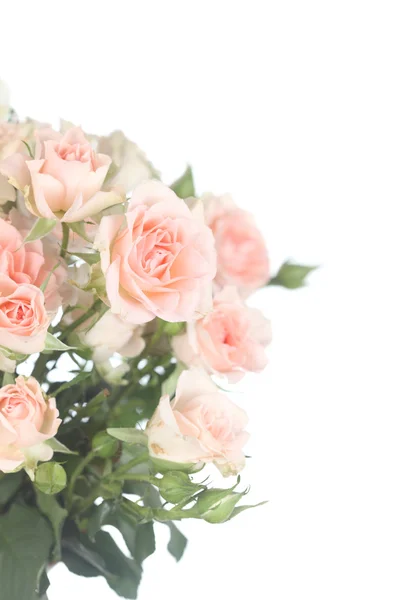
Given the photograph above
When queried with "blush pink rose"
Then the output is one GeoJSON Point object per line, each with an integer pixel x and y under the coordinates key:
{"type": "Point", "coordinates": [110, 335]}
{"type": "Point", "coordinates": [242, 258]}
{"type": "Point", "coordinates": [27, 420]}
{"type": "Point", "coordinates": [64, 180]}
{"type": "Point", "coordinates": [229, 340]}
{"type": "Point", "coordinates": [200, 425]}
{"type": "Point", "coordinates": [23, 317]}
{"type": "Point", "coordinates": [157, 259]}
{"type": "Point", "coordinates": [32, 263]}
{"type": "Point", "coordinates": [10, 143]}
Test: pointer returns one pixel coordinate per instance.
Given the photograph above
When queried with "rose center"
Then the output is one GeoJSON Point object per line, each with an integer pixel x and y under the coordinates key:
{"type": "Point", "coordinates": [218, 425]}
{"type": "Point", "coordinates": [77, 152]}
{"type": "Point", "coordinates": [16, 311]}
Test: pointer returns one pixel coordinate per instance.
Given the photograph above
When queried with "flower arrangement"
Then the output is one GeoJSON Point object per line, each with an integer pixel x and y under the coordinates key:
{"type": "Point", "coordinates": [122, 316]}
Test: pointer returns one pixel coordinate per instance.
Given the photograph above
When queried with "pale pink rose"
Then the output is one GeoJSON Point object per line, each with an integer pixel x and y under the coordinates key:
{"type": "Point", "coordinates": [110, 335]}
{"type": "Point", "coordinates": [130, 165]}
{"type": "Point", "coordinates": [27, 420]}
{"type": "Point", "coordinates": [157, 259]}
{"type": "Point", "coordinates": [64, 180]}
{"type": "Point", "coordinates": [10, 143]}
{"type": "Point", "coordinates": [23, 317]}
{"type": "Point", "coordinates": [201, 424]}
{"type": "Point", "coordinates": [229, 340]}
{"type": "Point", "coordinates": [32, 263]}
{"type": "Point", "coordinates": [242, 258]}
{"type": "Point", "coordinates": [10, 139]}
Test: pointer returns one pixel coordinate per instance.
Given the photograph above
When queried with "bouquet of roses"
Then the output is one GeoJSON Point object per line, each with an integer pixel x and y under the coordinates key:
{"type": "Point", "coordinates": [122, 317]}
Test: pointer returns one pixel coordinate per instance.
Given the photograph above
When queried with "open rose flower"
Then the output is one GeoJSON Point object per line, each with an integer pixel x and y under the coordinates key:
{"type": "Point", "coordinates": [157, 259]}
{"type": "Point", "coordinates": [27, 420]}
{"type": "Point", "coordinates": [200, 425]}
{"type": "Point", "coordinates": [242, 258]}
{"type": "Point", "coordinates": [229, 340]}
{"type": "Point", "coordinates": [23, 317]}
{"type": "Point", "coordinates": [64, 180]}
{"type": "Point", "coordinates": [32, 263]}
{"type": "Point", "coordinates": [111, 334]}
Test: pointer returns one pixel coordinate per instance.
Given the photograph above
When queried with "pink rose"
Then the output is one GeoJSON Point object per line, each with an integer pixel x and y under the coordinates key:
{"type": "Point", "coordinates": [65, 178]}
{"type": "Point", "coordinates": [242, 258]}
{"type": "Point", "coordinates": [111, 334]}
{"type": "Point", "coordinates": [23, 317]}
{"type": "Point", "coordinates": [229, 340]}
{"type": "Point", "coordinates": [27, 420]}
{"type": "Point", "coordinates": [31, 263]}
{"type": "Point", "coordinates": [157, 259]}
{"type": "Point", "coordinates": [199, 425]}
{"type": "Point", "coordinates": [10, 142]}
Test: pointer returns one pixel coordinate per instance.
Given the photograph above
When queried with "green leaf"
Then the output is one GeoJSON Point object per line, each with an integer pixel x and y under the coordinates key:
{"type": "Point", "coordinates": [8, 378]}
{"type": "Point", "coordinates": [25, 543]}
{"type": "Point", "coordinates": [50, 508]}
{"type": "Point", "coordinates": [177, 543]}
{"type": "Point", "coordinates": [140, 539]}
{"type": "Point", "coordinates": [79, 229]}
{"type": "Point", "coordinates": [91, 258]}
{"type": "Point", "coordinates": [58, 446]}
{"type": "Point", "coordinates": [94, 404]}
{"type": "Point", "coordinates": [40, 229]}
{"type": "Point", "coordinates": [239, 509]}
{"type": "Point", "coordinates": [44, 584]}
{"type": "Point", "coordinates": [102, 557]}
{"type": "Point", "coordinates": [291, 275]}
{"type": "Point", "coordinates": [100, 516]}
{"type": "Point", "coordinates": [55, 344]}
{"type": "Point", "coordinates": [68, 384]}
{"type": "Point", "coordinates": [128, 434]}
{"type": "Point", "coordinates": [9, 485]}
{"type": "Point", "coordinates": [184, 186]}
{"type": "Point", "coordinates": [80, 554]}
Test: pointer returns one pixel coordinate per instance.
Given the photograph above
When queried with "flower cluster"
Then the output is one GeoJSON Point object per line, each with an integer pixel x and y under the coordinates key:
{"type": "Point", "coordinates": [123, 315]}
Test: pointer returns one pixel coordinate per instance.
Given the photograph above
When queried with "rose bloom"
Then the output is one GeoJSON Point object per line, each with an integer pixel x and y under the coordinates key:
{"type": "Point", "coordinates": [10, 142]}
{"type": "Point", "coordinates": [229, 340]}
{"type": "Point", "coordinates": [64, 180]}
{"type": "Point", "coordinates": [129, 162]}
{"type": "Point", "coordinates": [23, 317]}
{"type": "Point", "coordinates": [110, 335]}
{"type": "Point", "coordinates": [201, 424]}
{"type": "Point", "coordinates": [242, 258]}
{"type": "Point", "coordinates": [27, 420]}
{"type": "Point", "coordinates": [30, 263]}
{"type": "Point", "coordinates": [158, 259]}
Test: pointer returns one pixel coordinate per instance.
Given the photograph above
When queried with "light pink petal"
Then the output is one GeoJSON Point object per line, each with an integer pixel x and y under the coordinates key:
{"type": "Point", "coordinates": [193, 382]}
{"type": "Point", "coordinates": [15, 168]}
{"type": "Point", "coordinates": [100, 201]}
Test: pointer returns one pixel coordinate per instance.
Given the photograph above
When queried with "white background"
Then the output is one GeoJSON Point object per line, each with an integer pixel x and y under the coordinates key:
{"type": "Point", "coordinates": [294, 107]}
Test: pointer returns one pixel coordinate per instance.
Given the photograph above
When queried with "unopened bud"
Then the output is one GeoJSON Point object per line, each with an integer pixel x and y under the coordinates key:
{"type": "Point", "coordinates": [105, 445]}
{"type": "Point", "coordinates": [177, 487]}
{"type": "Point", "coordinates": [216, 506]}
{"type": "Point", "coordinates": [50, 478]}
